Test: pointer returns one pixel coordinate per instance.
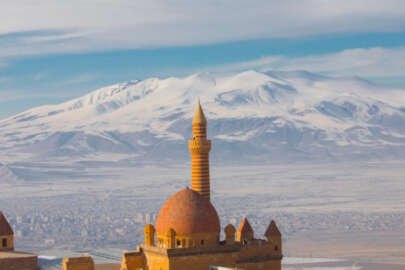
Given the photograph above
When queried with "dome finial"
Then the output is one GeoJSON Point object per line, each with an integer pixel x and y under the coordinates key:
{"type": "Point", "coordinates": [199, 117]}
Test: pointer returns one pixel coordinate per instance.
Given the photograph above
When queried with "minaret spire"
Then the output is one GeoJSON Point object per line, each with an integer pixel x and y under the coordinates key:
{"type": "Point", "coordinates": [199, 148]}
{"type": "Point", "coordinates": [199, 119]}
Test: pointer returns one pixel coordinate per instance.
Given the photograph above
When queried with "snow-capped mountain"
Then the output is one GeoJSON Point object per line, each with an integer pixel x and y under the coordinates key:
{"type": "Point", "coordinates": [7, 175]}
{"type": "Point", "coordinates": [252, 116]}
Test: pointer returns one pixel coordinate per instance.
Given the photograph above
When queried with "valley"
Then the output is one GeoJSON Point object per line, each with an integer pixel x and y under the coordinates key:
{"type": "Point", "coordinates": [341, 207]}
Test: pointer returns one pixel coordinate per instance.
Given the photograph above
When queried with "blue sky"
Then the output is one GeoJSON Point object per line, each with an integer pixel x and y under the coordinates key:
{"type": "Point", "coordinates": [53, 51]}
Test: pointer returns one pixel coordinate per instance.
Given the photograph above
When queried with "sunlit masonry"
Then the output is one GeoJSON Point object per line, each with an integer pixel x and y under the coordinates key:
{"type": "Point", "coordinates": [187, 229]}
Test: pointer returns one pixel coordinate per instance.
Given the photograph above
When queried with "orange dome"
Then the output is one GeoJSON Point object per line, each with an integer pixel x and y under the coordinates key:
{"type": "Point", "coordinates": [187, 212]}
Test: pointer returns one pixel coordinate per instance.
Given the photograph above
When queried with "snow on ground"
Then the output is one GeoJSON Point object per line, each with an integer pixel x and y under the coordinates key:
{"type": "Point", "coordinates": [300, 260]}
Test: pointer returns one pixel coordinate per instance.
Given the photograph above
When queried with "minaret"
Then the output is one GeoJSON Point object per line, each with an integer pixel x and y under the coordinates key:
{"type": "Point", "coordinates": [200, 148]}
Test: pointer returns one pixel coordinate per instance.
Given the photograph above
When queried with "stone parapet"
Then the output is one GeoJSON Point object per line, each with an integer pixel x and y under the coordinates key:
{"type": "Point", "coordinates": [192, 251]}
{"type": "Point", "coordinates": [199, 146]}
{"type": "Point", "coordinates": [18, 261]}
{"type": "Point", "coordinates": [78, 263]}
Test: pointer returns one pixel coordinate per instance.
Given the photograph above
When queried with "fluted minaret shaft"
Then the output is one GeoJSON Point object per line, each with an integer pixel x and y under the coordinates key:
{"type": "Point", "coordinates": [200, 148]}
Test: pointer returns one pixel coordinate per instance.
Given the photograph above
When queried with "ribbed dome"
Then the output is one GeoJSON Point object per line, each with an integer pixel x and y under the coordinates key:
{"type": "Point", "coordinates": [187, 212]}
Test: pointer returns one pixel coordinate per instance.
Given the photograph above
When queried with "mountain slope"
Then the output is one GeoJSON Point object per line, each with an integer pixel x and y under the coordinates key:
{"type": "Point", "coordinates": [252, 116]}
{"type": "Point", "coordinates": [7, 175]}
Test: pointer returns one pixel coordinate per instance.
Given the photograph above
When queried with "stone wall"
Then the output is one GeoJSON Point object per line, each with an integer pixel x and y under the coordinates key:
{"type": "Point", "coordinates": [19, 263]}
{"type": "Point", "coordinates": [132, 260]}
{"type": "Point", "coordinates": [78, 263]}
{"type": "Point", "coordinates": [257, 254]}
{"type": "Point", "coordinates": [10, 242]}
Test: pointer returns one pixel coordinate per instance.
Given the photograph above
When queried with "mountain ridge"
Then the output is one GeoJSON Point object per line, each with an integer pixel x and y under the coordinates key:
{"type": "Point", "coordinates": [252, 116]}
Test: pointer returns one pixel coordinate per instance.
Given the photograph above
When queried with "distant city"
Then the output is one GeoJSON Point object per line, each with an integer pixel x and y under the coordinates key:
{"type": "Point", "coordinates": [78, 222]}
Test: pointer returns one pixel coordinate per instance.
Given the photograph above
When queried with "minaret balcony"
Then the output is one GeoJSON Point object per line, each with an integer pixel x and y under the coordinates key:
{"type": "Point", "coordinates": [199, 145]}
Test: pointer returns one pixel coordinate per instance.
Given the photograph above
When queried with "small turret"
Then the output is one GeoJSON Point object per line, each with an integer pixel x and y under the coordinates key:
{"type": "Point", "coordinates": [149, 232]}
{"type": "Point", "coordinates": [273, 235]}
{"type": "Point", "coordinates": [6, 234]}
{"type": "Point", "coordinates": [272, 230]}
{"type": "Point", "coordinates": [171, 238]}
{"type": "Point", "coordinates": [229, 234]}
{"type": "Point", "coordinates": [245, 231]}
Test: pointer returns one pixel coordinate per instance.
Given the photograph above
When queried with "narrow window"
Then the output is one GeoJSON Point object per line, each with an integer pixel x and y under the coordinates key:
{"type": "Point", "coordinates": [202, 242]}
{"type": "Point", "coordinates": [276, 248]}
{"type": "Point", "coordinates": [4, 242]}
{"type": "Point", "coordinates": [178, 243]}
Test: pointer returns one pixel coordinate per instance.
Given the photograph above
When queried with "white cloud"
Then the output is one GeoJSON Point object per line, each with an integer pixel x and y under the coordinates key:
{"type": "Point", "coordinates": [372, 62]}
{"type": "Point", "coordinates": [39, 76]}
{"type": "Point", "coordinates": [81, 79]}
{"type": "Point", "coordinates": [88, 25]}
